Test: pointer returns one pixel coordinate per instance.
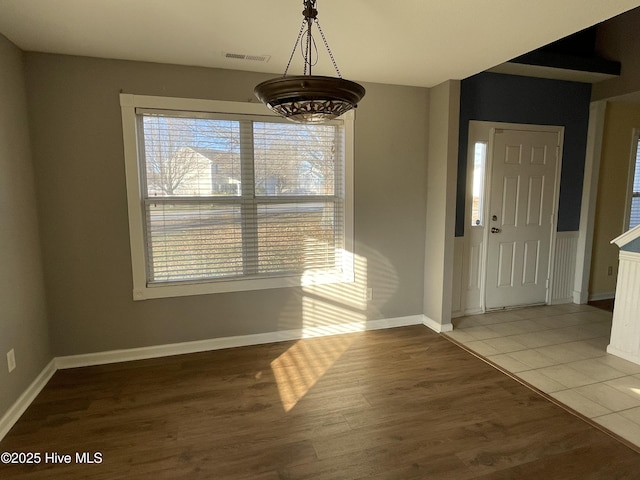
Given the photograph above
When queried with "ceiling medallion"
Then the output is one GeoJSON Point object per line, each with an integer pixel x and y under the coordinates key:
{"type": "Point", "coordinates": [309, 98]}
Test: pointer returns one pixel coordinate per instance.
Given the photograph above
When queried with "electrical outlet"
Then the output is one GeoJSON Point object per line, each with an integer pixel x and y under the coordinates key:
{"type": "Point", "coordinates": [610, 271]}
{"type": "Point", "coordinates": [11, 360]}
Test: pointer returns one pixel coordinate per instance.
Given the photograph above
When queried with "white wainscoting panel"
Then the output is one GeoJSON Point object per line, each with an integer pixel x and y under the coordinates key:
{"type": "Point", "coordinates": [564, 268]}
{"type": "Point", "coordinates": [473, 272]}
{"type": "Point", "coordinates": [458, 264]}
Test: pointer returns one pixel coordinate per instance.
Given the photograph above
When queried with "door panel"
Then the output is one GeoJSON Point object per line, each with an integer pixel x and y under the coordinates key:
{"type": "Point", "coordinates": [531, 262]}
{"type": "Point", "coordinates": [535, 201]}
{"type": "Point", "coordinates": [510, 194]}
{"type": "Point", "coordinates": [505, 264]}
{"type": "Point", "coordinates": [520, 217]}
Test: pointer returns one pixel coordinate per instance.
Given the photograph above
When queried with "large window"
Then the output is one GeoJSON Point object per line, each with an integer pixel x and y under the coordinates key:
{"type": "Point", "coordinates": [225, 197]}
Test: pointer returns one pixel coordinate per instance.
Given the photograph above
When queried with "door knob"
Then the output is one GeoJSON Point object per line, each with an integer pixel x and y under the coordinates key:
{"type": "Point", "coordinates": [495, 230]}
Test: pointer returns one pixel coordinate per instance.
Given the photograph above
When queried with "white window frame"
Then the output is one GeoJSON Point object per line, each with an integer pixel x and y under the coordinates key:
{"type": "Point", "coordinates": [134, 181]}
{"type": "Point", "coordinates": [633, 164]}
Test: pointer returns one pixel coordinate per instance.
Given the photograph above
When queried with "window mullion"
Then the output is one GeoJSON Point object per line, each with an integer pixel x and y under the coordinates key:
{"type": "Point", "coordinates": [249, 205]}
{"type": "Point", "coordinates": [144, 206]}
{"type": "Point", "coordinates": [339, 191]}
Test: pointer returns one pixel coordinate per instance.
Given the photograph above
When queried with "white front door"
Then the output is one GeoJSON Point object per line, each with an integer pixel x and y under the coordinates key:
{"type": "Point", "coordinates": [520, 216]}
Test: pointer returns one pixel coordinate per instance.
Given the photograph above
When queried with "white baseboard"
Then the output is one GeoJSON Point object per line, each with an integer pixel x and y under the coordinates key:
{"type": "Point", "coordinates": [561, 301]}
{"type": "Point", "coordinates": [12, 415]}
{"type": "Point", "coordinates": [156, 351]}
{"type": "Point", "coordinates": [602, 296]}
{"type": "Point", "coordinates": [114, 356]}
{"type": "Point", "coordinates": [394, 322]}
{"type": "Point", "coordinates": [436, 326]}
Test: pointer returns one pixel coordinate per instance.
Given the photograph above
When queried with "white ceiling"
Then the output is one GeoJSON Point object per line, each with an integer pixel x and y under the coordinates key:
{"type": "Point", "coordinates": [406, 42]}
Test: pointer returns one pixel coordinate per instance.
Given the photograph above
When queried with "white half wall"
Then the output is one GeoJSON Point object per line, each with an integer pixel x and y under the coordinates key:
{"type": "Point", "coordinates": [625, 329]}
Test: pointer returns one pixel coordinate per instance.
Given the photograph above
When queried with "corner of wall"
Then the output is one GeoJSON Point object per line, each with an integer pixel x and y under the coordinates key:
{"type": "Point", "coordinates": [23, 314]}
{"type": "Point", "coordinates": [442, 165]}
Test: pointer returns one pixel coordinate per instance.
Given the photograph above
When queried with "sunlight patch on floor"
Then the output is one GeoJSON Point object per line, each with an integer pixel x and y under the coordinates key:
{"type": "Point", "coordinates": [327, 310]}
{"type": "Point", "coordinates": [330, 309]}
{"type": "Point", "coordinates": [299, 368]}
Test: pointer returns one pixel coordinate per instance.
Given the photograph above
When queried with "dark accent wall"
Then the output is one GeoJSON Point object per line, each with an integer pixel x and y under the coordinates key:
{"type": "Point", "coordinates": [514, 99]}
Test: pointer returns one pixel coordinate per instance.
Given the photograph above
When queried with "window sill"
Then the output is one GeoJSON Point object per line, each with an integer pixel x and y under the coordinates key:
{"type": "Point", "coordinates": [183, 289]}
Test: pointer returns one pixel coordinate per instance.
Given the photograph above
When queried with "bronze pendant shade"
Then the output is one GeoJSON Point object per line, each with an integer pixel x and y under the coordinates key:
{"type": "Point", "coordinates": [309, 98]}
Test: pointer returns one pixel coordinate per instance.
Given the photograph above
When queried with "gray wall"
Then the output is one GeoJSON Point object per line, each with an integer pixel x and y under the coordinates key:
{"type": "Point", "coordinates": [444, 111]}
{"type": "Point", "coordinates": [23, 319]}
{"type": "Point", "coordinates": [78, 156]}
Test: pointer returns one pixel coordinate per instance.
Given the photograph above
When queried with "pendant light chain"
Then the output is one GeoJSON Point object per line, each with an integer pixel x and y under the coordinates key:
{"type": "Point", "coordinates": [307, 54]}
{"type": "Point", "coordinates": [310, 13]}
{"type": "Point", "coordinates": [310, 17]}
{"type": "Point", "coordinates": [326, 44]}
{"type": "Point", "coordinates": [295, 47]}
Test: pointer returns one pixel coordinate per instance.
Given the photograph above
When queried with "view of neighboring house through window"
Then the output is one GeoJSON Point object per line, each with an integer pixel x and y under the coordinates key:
{"type": "Point", "coordinates": [634, 190]}
{"type": "Point", "coordinates": [227, 198]}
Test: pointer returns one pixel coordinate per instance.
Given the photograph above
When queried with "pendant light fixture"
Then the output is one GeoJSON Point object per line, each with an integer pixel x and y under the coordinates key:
{"type": "Point", "coordinates": [309, 98]}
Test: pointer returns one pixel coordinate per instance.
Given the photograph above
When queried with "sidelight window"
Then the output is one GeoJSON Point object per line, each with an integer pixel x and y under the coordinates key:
{"type": "Point", "coordinates": [479, 162]}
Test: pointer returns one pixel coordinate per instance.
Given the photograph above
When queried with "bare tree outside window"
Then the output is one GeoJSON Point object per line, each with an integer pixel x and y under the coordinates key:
{"type": "Point", "coordinates": [188, 157]}
{"type": "Point", "coordinates": [294, 159]}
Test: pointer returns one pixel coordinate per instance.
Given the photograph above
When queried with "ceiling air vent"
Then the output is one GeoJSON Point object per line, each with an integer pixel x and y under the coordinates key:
{"type": "Point", "coordinates": [244, 56]}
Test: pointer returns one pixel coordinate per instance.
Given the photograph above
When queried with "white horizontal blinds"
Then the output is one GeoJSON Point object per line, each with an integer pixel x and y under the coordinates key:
{"type": "Point", "coordinates": [191, 156]}
{"type": "Point", "coordinates": [296, 237]}
{"type": "Point", "coordinates": [294, 159]}
{"type": "Point", "coordinates": [189, 162]}
{"type": "Point", "coordinates": [634, 218]}
{"type": "Point", "coordinates": [240, 198]}
{"type": "Point", "coordinates": [193, 241]}
{"type": "Point", "coordinates": [300, 206]}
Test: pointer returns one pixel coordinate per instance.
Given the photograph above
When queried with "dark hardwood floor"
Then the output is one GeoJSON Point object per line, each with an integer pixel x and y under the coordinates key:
{"type": "Point", "coordinates": [603, 304]}
{"type": "Point", "coordinates": [402, 403]}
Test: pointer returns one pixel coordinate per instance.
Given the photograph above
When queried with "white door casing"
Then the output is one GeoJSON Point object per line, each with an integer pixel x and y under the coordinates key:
{"type": "Point", "coordinates": [521, 216]}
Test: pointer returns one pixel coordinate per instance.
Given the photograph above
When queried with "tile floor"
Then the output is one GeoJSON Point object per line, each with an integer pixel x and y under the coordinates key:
{"type": "Point", "coordinates": [561, 350]}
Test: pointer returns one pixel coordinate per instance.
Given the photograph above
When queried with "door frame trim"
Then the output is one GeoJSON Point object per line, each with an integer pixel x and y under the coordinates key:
{"type": "Point", "coordinates": [484, 131]}
{"type": "Point", "coordinates": [595, 135]}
